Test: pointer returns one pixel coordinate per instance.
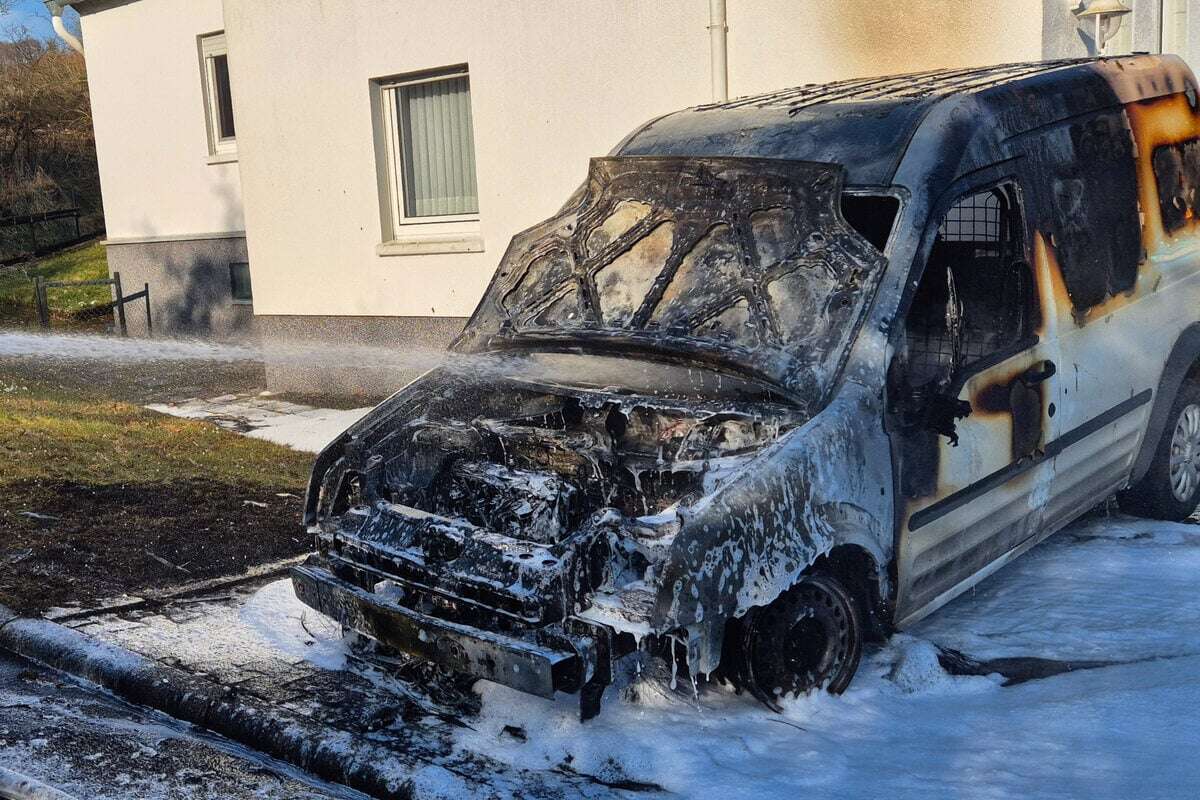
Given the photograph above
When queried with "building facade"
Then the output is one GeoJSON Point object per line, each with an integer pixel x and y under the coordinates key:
{"type": "Point", "coordinates": [355, 170]}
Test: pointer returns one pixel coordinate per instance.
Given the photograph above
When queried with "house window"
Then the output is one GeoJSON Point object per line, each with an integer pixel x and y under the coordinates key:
{"type": "Point", "coordinates": [428, 149]}
{"type": "Point", "coordinates": [218, 101]}
{"type": "Point", "coordinates": [239, 283]}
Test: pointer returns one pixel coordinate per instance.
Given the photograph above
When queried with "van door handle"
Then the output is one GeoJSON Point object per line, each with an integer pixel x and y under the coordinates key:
{"type": "Point", "coordinates": [1038, 373]}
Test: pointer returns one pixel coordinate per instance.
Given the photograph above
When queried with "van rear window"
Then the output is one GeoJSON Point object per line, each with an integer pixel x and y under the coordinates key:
{"type": "Point", "coordinates": [1177, 171]}
{"type": "Point", "coordinates": [1087, 201]}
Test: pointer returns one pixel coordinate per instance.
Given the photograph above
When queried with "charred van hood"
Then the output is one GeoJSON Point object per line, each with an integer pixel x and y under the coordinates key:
{"type": "Point", "coordinates": [742, 261]}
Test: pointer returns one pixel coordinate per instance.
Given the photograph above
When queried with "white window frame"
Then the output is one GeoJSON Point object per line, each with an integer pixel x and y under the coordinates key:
{"type": "Point", "coordinates": [220, 149]}
{"type": "Point", "coordinates": [401, 234]}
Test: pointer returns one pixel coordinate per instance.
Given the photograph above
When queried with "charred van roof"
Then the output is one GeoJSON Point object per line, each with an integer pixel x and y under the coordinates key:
{"type": "Point", "coordinates": [868, 125]}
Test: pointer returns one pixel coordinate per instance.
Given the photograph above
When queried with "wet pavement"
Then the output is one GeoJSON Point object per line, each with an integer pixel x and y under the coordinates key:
{"type": "Point", "coordinates": [91, 745]}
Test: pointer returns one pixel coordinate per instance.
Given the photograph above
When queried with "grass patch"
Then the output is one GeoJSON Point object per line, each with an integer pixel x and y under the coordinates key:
{"type": "Point", "coordinates": [52, 433]}
{"type": "Point", "coordinates": [67, 305]}
{"type": "Point", "coordinates": [102, 498]}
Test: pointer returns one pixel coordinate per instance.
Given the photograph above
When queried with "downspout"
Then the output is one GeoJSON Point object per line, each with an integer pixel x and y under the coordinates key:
{"type": "Point", "coordinates": [718, 43]}
{"type": "Point", "coordinates": [56, 9]}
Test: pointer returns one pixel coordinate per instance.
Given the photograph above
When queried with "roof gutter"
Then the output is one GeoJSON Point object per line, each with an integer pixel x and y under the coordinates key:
{"type": "Point", "coordinates": [718, 45]}
{"type": "Point", "coordinates": [55, 7]}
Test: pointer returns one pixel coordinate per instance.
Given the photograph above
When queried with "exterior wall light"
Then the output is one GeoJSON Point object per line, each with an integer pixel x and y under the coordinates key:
{"type": "Point", "coordinates": [1108, 14]}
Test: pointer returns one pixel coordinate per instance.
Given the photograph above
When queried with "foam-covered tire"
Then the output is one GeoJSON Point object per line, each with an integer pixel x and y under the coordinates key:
{"type": "Point", "coordinates": [809, 638]}
{"type": "Point", "coordinates": [1170, 489]}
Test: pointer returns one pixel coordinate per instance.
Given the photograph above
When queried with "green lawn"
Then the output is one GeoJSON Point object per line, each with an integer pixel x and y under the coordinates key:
{"type": "Point", "coordinates": [51, 433]}
{"type": "Point", "coordinates": [66, 304]}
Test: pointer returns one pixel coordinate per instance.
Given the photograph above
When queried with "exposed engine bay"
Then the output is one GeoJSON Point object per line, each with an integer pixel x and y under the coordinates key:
{"type": "Point", "coordinates": [545, 508]}
{"type": "Point", "coordinates": [537, 475]}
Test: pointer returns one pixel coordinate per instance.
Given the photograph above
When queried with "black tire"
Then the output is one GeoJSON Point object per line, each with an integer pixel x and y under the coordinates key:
{"type": "Point", "coordinates": [1162, 493]}
{"type": "Point", "coordinates": [811, 637]}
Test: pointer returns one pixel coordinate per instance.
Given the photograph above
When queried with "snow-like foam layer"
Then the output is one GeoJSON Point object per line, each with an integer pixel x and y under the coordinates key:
{"type": "Point", "coordinates": [276, 616]}
{"type": "Point", "coordinates": [906, 729]}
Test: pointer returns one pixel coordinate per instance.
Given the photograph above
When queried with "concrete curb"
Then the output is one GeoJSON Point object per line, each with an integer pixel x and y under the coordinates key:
{"type": "Point", "coordinates": [335, 756]}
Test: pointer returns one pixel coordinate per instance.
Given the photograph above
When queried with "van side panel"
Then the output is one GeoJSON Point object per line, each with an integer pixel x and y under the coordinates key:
{"type": "Point", "coordinates": [1115, 350]}
{"type": "Point", "coordinates": [1114, 214]}
{"type": "Point", "coordinates": [1184, 355]}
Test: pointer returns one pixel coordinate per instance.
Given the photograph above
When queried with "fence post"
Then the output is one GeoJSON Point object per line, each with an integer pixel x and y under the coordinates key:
{"type": "Point", "coordinates": [39, 298]}
{"type": "Point", "coordinates": [77, 224]}
{"type": "Point", "coordinates": [120, 304]}
{"type": "Point", "coordinates": [146, 287]}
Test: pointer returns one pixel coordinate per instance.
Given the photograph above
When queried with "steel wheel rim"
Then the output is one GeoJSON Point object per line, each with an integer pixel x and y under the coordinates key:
{"type": "Point", "coordinates": [793, 677]}
{"type": "Point", "coordinates": [1184, 470]}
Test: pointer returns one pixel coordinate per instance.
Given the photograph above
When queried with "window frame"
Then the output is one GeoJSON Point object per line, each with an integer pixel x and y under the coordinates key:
{"type": "Point", "coordinates": [415, 235]}
{"type": "Point", "coordinates": [209, 47]}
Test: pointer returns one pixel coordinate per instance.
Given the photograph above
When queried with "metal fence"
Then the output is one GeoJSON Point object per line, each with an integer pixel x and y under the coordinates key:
{"type": "Point", "coordinates": [41, 285]}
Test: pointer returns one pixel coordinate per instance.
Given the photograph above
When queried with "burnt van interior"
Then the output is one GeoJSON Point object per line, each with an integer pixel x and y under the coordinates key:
{"type": "Point", "coordinates": [976, 296]}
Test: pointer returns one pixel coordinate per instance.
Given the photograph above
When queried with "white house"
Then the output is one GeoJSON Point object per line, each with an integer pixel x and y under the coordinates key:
{"type": "Point", "coordinates": [355, 169]}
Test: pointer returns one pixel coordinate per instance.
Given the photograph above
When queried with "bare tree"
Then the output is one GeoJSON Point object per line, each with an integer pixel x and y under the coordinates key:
{"type": "Point", "coordinates": [47, 148]}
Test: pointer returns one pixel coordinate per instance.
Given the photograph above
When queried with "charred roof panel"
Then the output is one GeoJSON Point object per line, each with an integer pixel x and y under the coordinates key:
{"type": "Point", "coordinates": [866, 124]}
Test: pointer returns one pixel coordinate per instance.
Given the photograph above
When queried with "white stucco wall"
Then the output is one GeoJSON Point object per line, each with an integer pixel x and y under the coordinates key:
{"type": "Point", "coordinates": [148, 112]}
{"type": "Point", "coordinates": [547, 90]}
{"type": "Point", "coordinates": [779, 43]}
{"type": "Point", "coordinates": [551, 84]}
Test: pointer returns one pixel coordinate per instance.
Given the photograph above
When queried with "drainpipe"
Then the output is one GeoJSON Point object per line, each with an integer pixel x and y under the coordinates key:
{"type": "Point", "coordinates": [56, 9]}
{"type": "Point", "coordinates": [718, 42]}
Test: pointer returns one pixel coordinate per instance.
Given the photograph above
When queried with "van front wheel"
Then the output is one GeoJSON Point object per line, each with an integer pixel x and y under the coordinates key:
{"type": "Point", "coordinates": [1170, 489]}
{"type": "Point", "coordinates": [809, 638]}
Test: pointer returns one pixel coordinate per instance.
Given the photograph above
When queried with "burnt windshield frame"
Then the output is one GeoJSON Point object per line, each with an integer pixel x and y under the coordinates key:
{"type": "Point", "coordinates": [887, 194]}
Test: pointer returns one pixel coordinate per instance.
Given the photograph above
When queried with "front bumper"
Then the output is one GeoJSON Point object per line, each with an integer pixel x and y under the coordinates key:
{"type": "Point", "coordinates": [548, 660]}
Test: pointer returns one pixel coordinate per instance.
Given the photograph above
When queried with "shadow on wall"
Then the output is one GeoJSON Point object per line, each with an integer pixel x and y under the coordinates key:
{"type": "Point", "coordinates": [189, 279]}
{"type": "Point", "coordinates": [199, 300]}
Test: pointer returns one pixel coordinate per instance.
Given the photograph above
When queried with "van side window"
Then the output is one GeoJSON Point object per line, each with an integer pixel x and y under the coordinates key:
{"type": "Point", "coordinates": [1087, 203]}
{"type": "Point", "coordinates": [976, 283]}
{"type": "Point", "coordinates": [1177, 172]}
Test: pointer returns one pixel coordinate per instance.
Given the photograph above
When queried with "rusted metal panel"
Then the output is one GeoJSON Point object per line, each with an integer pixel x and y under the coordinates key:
{"type": "Point", "coordinates": [513, 662]}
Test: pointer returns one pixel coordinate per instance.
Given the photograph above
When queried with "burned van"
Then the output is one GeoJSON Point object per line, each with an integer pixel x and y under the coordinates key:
{"type": "Point", "coordinates": [788, 373]}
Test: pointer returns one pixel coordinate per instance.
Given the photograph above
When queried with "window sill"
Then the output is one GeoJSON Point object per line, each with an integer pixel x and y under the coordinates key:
{"type": "Point", "coordinates": [431, 244]}
{"type": "Point", "coordinates": [221, 158]}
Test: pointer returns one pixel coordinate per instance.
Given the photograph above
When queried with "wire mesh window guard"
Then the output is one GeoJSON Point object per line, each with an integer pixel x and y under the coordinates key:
{"type": "Point", "coordinates": [976, 263]}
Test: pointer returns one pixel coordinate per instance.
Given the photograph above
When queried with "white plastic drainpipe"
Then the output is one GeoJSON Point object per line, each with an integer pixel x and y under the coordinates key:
{"type": "Point", "coordinates": [56, 8]}
{"type": "Point", "coordinates": [718, 42]}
